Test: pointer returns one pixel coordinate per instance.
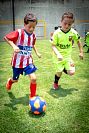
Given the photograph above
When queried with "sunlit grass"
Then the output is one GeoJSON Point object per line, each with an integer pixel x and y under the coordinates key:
{"type": "Point", "coordinates": [67, 108]}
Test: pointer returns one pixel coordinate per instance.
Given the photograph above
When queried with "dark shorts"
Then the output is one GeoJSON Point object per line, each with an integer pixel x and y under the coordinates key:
{"type": "Point", "coordinates": [27, 70]}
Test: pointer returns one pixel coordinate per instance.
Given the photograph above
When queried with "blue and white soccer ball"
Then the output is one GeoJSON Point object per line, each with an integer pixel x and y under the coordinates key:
{"type": "Point", "coordinates": [37, 105]}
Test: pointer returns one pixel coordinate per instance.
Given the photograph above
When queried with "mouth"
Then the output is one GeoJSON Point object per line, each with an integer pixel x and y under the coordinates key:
{"type": "Point", "coordinates": [30, 31]}
{"type": "Point", "coordinates": [66, 29]}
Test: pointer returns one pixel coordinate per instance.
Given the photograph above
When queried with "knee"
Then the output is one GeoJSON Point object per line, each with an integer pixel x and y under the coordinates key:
{"type": "Point", "coordinates": [71, 73]}
{"type": "Point", "coordinates": [33, 80]}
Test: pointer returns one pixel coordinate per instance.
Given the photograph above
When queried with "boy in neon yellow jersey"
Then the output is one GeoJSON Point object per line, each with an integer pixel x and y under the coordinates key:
{"type": "Point", "coordinates": [62, 47]}
{"type": "Point", "coordinates": [87, 41]}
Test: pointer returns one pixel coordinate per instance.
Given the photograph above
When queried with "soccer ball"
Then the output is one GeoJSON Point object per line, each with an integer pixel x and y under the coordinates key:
{"type": "Point", "coordinates": [37, 105]}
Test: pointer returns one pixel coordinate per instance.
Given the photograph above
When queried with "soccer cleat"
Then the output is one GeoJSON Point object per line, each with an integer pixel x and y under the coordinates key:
{"type": "Point", "coordinates": [55, 86]}
{"type": "Point", "coordinates": [9, 84]}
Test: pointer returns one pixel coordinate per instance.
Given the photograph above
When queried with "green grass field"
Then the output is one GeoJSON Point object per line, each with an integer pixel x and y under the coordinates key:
{"type": "Point", "coordinates": [67, 108]}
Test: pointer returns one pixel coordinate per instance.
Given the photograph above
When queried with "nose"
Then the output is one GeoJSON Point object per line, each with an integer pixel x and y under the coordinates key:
{"type": "Point", "coordinates": [67, 26]}
{"type": "Point", "coordinates": [31, 29]}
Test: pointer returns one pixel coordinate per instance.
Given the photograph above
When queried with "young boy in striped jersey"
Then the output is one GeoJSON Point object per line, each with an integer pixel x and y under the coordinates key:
{"type": "Point", "coordinates": [62, 47]}
{"type": "Point", "coordinates": [23, 41]}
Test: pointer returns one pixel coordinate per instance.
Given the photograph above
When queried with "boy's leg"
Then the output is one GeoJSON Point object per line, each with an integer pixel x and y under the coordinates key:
{"type": "Point", "coordinates": [29, 70]}
{"type": "Point", "coordinates": [10, 81]}
{"type": "Point", "coordinates": [69, 67]}
{"type": "Point", "coordinates": [56, 79]}
{"type": "Point", "coordinates": [33, 85]}
{"type": "Point", "coordinates": [60, 67]}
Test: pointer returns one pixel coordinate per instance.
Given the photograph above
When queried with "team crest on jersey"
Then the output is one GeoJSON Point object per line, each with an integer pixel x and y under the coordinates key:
{"type": "Point", "coordinates": [70, 38]}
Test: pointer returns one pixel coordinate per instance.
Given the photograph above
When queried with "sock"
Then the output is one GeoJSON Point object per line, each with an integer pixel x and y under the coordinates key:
{"type": "Point", "coordinates": [56, 79]}
{"type": "Point", "coordinates": [65, 71]}
{"type": "Point", "coordinates": [11, 82]}
{"type": "Point", "coordinates": [33, 89]}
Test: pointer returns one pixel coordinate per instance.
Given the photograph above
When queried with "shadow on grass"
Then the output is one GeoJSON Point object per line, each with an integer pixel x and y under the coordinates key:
{"type": "Point", "coordinates": [14, 101]}
{"type": "Point", "coordinates": [36, 116]}
{"type": "Point", "coordinates": [61, 92]}
{"type": "Point", "coordinates": [22, 100]}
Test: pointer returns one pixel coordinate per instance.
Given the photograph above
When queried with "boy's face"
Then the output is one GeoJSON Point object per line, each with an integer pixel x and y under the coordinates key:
{"type": "Point", "coordinates": [66, 24]}
{"type": "Point", "coordinates": [30, 27]}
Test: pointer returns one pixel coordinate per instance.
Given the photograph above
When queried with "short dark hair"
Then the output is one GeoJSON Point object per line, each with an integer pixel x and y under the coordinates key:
{"type": "Point", "coordinates": [68, 15]}
{"type": "Point", "coordinates": [30, 17]}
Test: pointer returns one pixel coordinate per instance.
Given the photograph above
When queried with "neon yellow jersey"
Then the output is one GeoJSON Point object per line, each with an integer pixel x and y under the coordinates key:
{"type": "Point", "coordinates": [87, 38]}
{"type": "Point", "coordinates": [63, 41]}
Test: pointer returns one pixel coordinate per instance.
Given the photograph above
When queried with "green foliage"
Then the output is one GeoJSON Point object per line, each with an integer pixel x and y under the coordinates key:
{"type": "Point", "coordinates": [67, 108]}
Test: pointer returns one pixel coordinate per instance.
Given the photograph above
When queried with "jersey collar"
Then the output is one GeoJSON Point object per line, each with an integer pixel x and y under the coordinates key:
{"type": "Point", "coordinates": [27, 33]}
{"type": "Point", "coordinates": [64, 31]}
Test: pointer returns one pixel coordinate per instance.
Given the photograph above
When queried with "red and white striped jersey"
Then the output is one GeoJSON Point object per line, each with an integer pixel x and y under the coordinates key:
{"type": "Point", "coordinates": [25, 42]}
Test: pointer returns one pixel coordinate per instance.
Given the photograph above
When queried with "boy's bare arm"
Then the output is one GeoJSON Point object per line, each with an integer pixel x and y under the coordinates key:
{"type": "Point", "coordinates": [80, 50]}
{"type": "Point", "coordinates": [36, 51]}
{"type": "Point", "coordinates": [59, 56]}
{"type": "Point", "coordinates": [16, 49]}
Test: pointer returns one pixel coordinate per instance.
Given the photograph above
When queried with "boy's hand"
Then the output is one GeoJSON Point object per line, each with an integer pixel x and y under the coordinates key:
{"type": "Point", "coordinates": [81, 55]}
{"type": "Point", "coordinates": [16, 49]}
{"type": "Point", "coordinates": [60, 58]}
{"type": "Point", "coordinates": [39, 55]}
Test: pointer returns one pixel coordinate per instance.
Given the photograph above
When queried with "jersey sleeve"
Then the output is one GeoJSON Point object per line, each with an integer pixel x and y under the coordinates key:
{"type": "Point", "coordinates": [55, 38]}
{"type": "Point", "coordinates": [13, 36]}
{"type": "Point", "coordinates": [87, 34]}
{"type": "Point", "coordinates": [76, 36]}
